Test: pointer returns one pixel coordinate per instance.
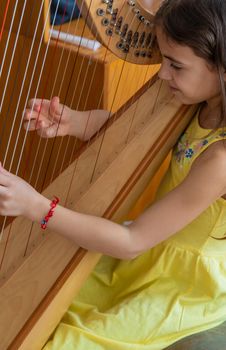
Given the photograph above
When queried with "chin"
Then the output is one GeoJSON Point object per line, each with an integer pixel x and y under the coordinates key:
{"type": "Point", "coordinates": [184, 100]}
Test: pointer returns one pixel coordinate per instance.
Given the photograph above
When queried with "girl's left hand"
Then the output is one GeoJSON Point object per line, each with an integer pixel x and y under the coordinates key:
{"type": "Point", "coordinates": [17, 197]}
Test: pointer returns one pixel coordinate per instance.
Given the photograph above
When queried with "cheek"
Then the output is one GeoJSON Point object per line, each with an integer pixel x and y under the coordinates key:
{"type": "Point", "coordinates": [208, 88]}
{"type": "Point", "coordinates": [186, 93]}
{"type": "Point", "coordinates": [195, 89]}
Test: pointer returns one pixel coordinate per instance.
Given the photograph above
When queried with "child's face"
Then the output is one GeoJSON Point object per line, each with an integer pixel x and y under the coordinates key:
{"type": "Point", "coordinates": [190, 77]}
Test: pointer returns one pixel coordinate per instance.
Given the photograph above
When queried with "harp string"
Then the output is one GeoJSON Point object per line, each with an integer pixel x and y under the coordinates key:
{"type": "Point", "coordinates": [99, 151]}
{"type": "Point", "coordinates": [156, 101]}
{"type": "Point", "coordinates": [110, 110]}
{"type": "Point", "coordinates": [103, 136]}
{"type": "Point", "coordinates": [13, 91]}
{"type": "Point", "coordinates": [74, 169]}
{"type": "Point", "coordinates": [30, 233]}
{"type": "Point", "coordinates": [46, 143]}
{"type": "Point", "coordinates": [5, 218]}
{"type": "Point", "coordinates": [12, 57]}
{"type": "Point", "coordinates": [51, 94]}
{"type": "Point", "coordinates": [64, 47]}
{"type": "Point", "coordinates": [70, 79]}
{"type": "Point", "coordinates": [66, 149]}
{"type": "Point", "coordinates": [9, 34]}
{"type": "Point", "coordinates": [3, 228]}
{"type": "Point", "coordinates": [134, 114]}
{"type": "Point", "coordinates": [74, 91]}
{"type": "Point", "coordinates": [4, 19]}
{"type": "Point", "coordinates": [67, 90]}
{"type": "Point", "coordinates": [115, 116]}
{"type": "Point", "coordinates": [38, 85]}
{"type": "Point", "coordinates": [21, 92]}
{"type": "Point", "coordinates": [68, 140]}
{"type": "Point", "coordinates": [59, 93]}
{"type": "Point", "coordinates": [135, 110]}
{"type": "Point", "coordinates": [78, 102]}
{"type": "Point", "coordinates": [92, 80]}
{"type": "Point", "coordinates": [42, 36]}
{"type": "Point", "coordinates": [80, 94]}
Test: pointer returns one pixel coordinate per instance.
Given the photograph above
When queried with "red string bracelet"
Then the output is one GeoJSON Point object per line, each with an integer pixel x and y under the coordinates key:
{"type": "Point", "coordinates": [53, 205]}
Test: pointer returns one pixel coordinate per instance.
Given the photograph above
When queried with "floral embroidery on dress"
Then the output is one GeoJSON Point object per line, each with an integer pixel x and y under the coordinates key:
{"type": "Point", "coordinates": [185, 150]}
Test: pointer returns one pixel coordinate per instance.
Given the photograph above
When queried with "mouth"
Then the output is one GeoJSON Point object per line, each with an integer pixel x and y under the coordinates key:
{"type": "Point", "coordinates": [172, 88]}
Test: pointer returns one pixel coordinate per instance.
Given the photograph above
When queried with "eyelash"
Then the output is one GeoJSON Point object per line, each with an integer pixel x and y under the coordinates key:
{"type": "Point", "coordinates": [175, 67]}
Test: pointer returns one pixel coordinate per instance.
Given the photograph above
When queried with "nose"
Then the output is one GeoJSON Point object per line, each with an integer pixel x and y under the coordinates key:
{"type": "Point", "coordinates": [165, 71]}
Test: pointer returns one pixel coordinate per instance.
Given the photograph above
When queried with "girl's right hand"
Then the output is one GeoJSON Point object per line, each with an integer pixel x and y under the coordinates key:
{"type": "Point", "coordinates": [48, 117]}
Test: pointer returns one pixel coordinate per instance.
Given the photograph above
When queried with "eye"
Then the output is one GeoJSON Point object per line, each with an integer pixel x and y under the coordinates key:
{"type": "Point", "coordinates": [174, 66]}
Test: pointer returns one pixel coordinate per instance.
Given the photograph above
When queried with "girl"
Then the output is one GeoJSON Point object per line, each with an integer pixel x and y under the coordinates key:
{"type": "Point", "coordinates": [173, 280]}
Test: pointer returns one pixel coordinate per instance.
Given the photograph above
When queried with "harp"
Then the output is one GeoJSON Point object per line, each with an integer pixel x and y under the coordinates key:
{"type": "Point", "coordinates": [40, 274]}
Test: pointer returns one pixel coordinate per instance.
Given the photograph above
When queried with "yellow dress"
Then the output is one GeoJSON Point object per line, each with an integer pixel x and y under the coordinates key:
{"type": "Point", "coordinates": [173, 290]}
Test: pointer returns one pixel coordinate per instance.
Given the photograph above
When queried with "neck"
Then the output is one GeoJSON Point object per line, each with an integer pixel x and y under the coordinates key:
{"type": "Point", "coordinates": [210, 115]}
{"type": "Point", "coordinates": [214, 102]}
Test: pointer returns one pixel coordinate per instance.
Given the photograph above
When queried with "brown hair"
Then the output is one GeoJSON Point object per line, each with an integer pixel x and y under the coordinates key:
{"type": "Point", "coordinates": [201, 25]}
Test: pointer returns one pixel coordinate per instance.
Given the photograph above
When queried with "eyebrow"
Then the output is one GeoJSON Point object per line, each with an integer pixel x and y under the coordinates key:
{"type": "Point", "coordinates": [172, 59]}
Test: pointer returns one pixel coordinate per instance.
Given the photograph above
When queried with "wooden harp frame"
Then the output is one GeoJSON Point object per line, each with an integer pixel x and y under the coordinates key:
{"type": "Point", "coordinates": [36, 289]}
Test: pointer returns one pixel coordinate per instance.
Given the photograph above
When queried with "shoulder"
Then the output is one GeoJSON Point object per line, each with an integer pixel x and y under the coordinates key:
{"type": "Point", "coordinates": [212, 161]}
{"type": "Point", "coordinates": [215, 154]}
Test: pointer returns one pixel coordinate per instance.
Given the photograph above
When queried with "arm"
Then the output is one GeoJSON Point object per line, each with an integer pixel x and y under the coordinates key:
{"type": "Point", "coordinates": [204, 184]}
{"type": "Point", "coordinates": [50, 119]}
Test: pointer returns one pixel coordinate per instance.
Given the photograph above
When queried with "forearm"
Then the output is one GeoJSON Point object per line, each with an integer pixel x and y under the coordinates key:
{"type": "Point", "coordinates": [85, 124]}
{"type": "Point", "coordinates": [90, 232]}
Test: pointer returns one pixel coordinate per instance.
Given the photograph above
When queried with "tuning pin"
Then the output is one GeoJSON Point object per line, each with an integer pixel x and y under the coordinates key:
{"type": "Point", "coordinates": [100, 12]}
{"type": "Point", "coordinates": [136, 11]}
{"type": "Point", "coordinates": [109, 32]}
{"type": "Point", "coordinates": [105, 22]}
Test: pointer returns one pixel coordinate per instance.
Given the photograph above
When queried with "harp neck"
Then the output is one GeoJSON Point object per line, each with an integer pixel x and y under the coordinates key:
{"type": "Point", "coordinates": [125, 28]}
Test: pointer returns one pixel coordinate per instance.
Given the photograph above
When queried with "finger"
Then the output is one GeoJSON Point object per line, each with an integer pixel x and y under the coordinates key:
{"type": "Point", "coordinates": [39, 105]}
{"type": "Point", "coordinates": [55, 108]}
{"type": "Point", "coordinates": [29, 114]}
{"type": "Point", "coordinates": [35, 103]}
{"type": "Point", "coordinates": [48, 132]}
{"type": "Point", "coordinates": [36, 125]}
{"type": "Point", "coordinates": [31, 102]}
{"type": "Point", "coordinates": [32, 115]}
